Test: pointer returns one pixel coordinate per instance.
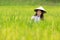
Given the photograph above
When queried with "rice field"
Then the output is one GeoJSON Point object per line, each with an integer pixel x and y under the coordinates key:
{"type": "Point", "coordinates": [16, 23]}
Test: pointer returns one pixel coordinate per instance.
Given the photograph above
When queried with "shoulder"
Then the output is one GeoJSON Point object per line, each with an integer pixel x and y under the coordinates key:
{"type": "Point", "coordinates": [33, 16]}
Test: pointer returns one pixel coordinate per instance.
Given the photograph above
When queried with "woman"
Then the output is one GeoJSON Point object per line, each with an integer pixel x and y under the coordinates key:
{"type": "Point", "coordinates": [39, 14]}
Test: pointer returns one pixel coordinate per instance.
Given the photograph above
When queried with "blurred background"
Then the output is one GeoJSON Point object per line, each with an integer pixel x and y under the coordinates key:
{"type": "Point", "coordinates": [29, 2]}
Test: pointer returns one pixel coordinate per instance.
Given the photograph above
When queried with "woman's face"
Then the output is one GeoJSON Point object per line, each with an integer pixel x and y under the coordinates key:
{"type": "Point", "coordinates": [39, 13]}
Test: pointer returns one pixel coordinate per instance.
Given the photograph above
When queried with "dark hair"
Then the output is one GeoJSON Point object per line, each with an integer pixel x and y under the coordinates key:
{"type": "Point", "coordinates": [42, 14]}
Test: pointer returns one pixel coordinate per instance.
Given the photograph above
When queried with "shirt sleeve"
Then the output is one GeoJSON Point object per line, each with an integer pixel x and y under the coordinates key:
{"type": "Point", "coordinates": [32, 17]}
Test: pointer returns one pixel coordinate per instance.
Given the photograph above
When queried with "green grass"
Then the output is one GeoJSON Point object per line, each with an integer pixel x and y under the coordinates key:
{"type": "Point", "coordinates": [15, 23]}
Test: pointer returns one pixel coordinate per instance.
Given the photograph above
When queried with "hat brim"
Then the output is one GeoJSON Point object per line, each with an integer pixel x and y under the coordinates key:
{"type": "Point", "coordinates": [40, 10]}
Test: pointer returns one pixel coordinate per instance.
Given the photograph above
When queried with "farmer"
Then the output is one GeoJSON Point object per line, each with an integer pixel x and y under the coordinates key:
{"type": "Point", "coordinates": [39, 15]}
